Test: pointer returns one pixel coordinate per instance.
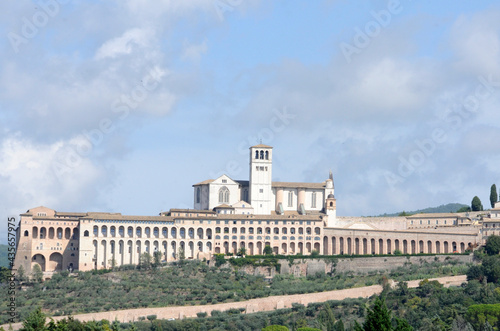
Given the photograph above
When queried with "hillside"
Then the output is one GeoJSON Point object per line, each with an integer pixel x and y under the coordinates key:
{"type": "Point", "coordinates": [448, 208]}
{"type": "Point", "coordinates": [3, 256]}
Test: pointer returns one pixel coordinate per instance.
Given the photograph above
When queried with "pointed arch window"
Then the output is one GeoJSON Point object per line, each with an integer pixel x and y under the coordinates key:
{"type": "Point", "coordinates": [224, 195]}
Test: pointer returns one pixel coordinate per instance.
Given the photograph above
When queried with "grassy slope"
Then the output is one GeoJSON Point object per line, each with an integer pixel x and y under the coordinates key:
{"type": "Point", "coordinates": [448, 208]}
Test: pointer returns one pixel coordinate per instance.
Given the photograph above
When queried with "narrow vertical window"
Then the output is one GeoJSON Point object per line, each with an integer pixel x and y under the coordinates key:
{"type": "Point", "coordinates": [198, 195]}
{"type": "Point", "coordinates": [290, 199]}
{"type": "Point", "coordinates": [313, 200]}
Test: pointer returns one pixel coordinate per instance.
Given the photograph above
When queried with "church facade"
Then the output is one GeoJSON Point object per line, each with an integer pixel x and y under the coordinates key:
{"type": "Point", "coordinates": [228, 215]}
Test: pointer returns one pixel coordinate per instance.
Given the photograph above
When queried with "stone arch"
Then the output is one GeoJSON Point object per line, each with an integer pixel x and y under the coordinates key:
{"type": "Point", "coordinates": [35, 232]}
{"type": "Point", "coordinates": [462, 247]}
{"type": "Point", "coordinates": [396, 245]}
{"type": "Point", "coordinates": [51, 233]}
{"type": "Point", "coordinates": [199, 233]}
{"type": "Point", "coordinates": [317, 247]}
{"type": "Point", "coordinates": [292, 248]}
{"type": "Point", "coordinates": [438, 247]}
{"type": "Point", "coordinates": [226, 247]}
{"type": "Point", "coordinates": [250, 249]}
{"type": "Point", "coordinates": [334, 245]}
{"type": "Point", "coordinates": [112, 231]}
{"type": "Point", "coordinates": [308, 248]}
{"type": "Point", "coordinates": [446, 247]}
{"type": "Point", "coordinates": [55, 261]}
{"type": "Point", "coordinates": [234, 247]}
{"type": "Point", "coordinates": [191, 233]}
{"type": "Point", "coordinates": [349, 245]}
{"type": "Point", "coordinates": [191, 250]}
{"type": "Point", "coordinates": [26, 233]}
{"type": "Point", "coordinates": [208, 233]}
{"type": "Point", "coordinates": [381, 246]}
{"type": "Point", "coordinates": [182, 233]}
{"type": "Point", "coordinates": [341, 246]}
{"type": "Point", "coordinates": [138, 232]}
{"type": "Point", "coordinates": [284, 248]}
{"type": "Point", "coordinates": [413, 245]}
{"type": "Point", "coordinates": [147, 232]}
{"type": "Point", "coordinates": [104, 231]}
{"type": "Point", "coordinates": [356, 246]}
{"type": "Point", "coordinates": [421, 246]}
{"type": "Point", "coordinates": [67, 233]}
{"type": "Point", "coordinates": [259, 248]}
{"type": "Point", "coordinates": [373, 246]}
{"type": "Point", "coordinates": [301, 248]}
{"type": "Point", "coordinates": [130, 232]}
{"type": "Point", "coordinates": [38, 259]}
{"type": "Point", "coordinates": [164, 232]}
{"type": "Point", "coordinates": [429, 246]}
{"type": "Point", "coordinates": [365, 246]}
{"type": "Point", "coordinates": [405, 246]}
{"type": "Point", "coordinates": [173, 232]}
{"type": "Point", "coordinates": [121, 231]}
{"type": "Point", "coordinates": [325, 245]}
{"type": "Point", "coordinates": [43, 233]}
{"type": "Point", "coordinates": [389, 246]}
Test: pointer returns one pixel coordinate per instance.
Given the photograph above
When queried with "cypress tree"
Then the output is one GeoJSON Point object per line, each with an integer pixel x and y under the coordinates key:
{"type": "Point", "coordinates": [493, 195]}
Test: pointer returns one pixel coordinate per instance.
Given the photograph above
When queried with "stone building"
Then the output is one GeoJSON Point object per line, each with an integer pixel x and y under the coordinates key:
{"type": "Point", "coordinates": [290, 217]}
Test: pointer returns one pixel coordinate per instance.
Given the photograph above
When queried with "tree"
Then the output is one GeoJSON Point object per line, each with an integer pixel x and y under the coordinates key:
{"type": "Point", "coordinates": [275, 328]}
{"type": "Point", "coordinates": [35, 321]}
{"type": "Point", "coordinates": [493, 245]}
{"type": "Point", "coordinates": [145, 260]}
{"type": "Point", "coordinates": [464, 209]}
{"type": "Point", "coordinates": [157, 259]}
{"type": "Point", "coordinates": [21, 274]}
{"type": "Point", "coordinates": [268, 250]}
{"type": "Point", "coordinates": [379, 317]}
{"type": "Point", "coordinates": [37, 273]}
{"type": "Point", "coordinates": [242, 252]}
{"type": "Point", "coordinates": [476, 204]}
{"type": "Point", "coordinates": [493, 195]}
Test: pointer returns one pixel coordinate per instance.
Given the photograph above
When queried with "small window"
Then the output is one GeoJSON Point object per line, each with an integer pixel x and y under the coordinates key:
{"type": "Point", "coordinates": [261, 190]}
{"type": "Point", "coordinates": [26, 233]}
{"type": "Point", "coordinates": [224, 181]}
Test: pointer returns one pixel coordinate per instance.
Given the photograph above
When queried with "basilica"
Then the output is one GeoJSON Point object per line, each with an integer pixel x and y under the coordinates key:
{"type": "Point", "coordinates": [229, 215]}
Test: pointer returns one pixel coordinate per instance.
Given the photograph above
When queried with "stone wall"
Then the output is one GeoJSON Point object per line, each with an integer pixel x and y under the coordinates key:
{"type": "Point", "coordinates": [304, 267]}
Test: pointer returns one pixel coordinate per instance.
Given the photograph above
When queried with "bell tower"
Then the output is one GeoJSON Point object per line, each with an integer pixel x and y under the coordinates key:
{"type": "Point", "coordinates": [330, 202]}
{"type": "Point", "coordinates": [261, 165]}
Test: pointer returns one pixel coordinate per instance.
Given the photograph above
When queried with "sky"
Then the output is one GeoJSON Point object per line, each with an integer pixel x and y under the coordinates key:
{"type": "Point", "coordinates": [123, 105]}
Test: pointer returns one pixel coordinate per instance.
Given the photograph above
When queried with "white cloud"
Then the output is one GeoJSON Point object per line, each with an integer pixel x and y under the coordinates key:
{"type": "Point", "coordinates": [193, 52]}
{"type": "Point", "coordinates": [134, 39]}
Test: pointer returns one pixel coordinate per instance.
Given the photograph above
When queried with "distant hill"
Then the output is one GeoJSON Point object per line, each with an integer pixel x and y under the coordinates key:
{"type": "Point", "coordinates": [3, 256]}
{"type": "Point", "coordinates": [448, 208]}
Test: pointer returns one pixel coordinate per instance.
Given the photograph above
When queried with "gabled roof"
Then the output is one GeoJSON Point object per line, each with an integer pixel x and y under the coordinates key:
{"type": "Point", "coordinates": [224, 206]}
{"type": "Point", "coordinates": [205, 182]}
